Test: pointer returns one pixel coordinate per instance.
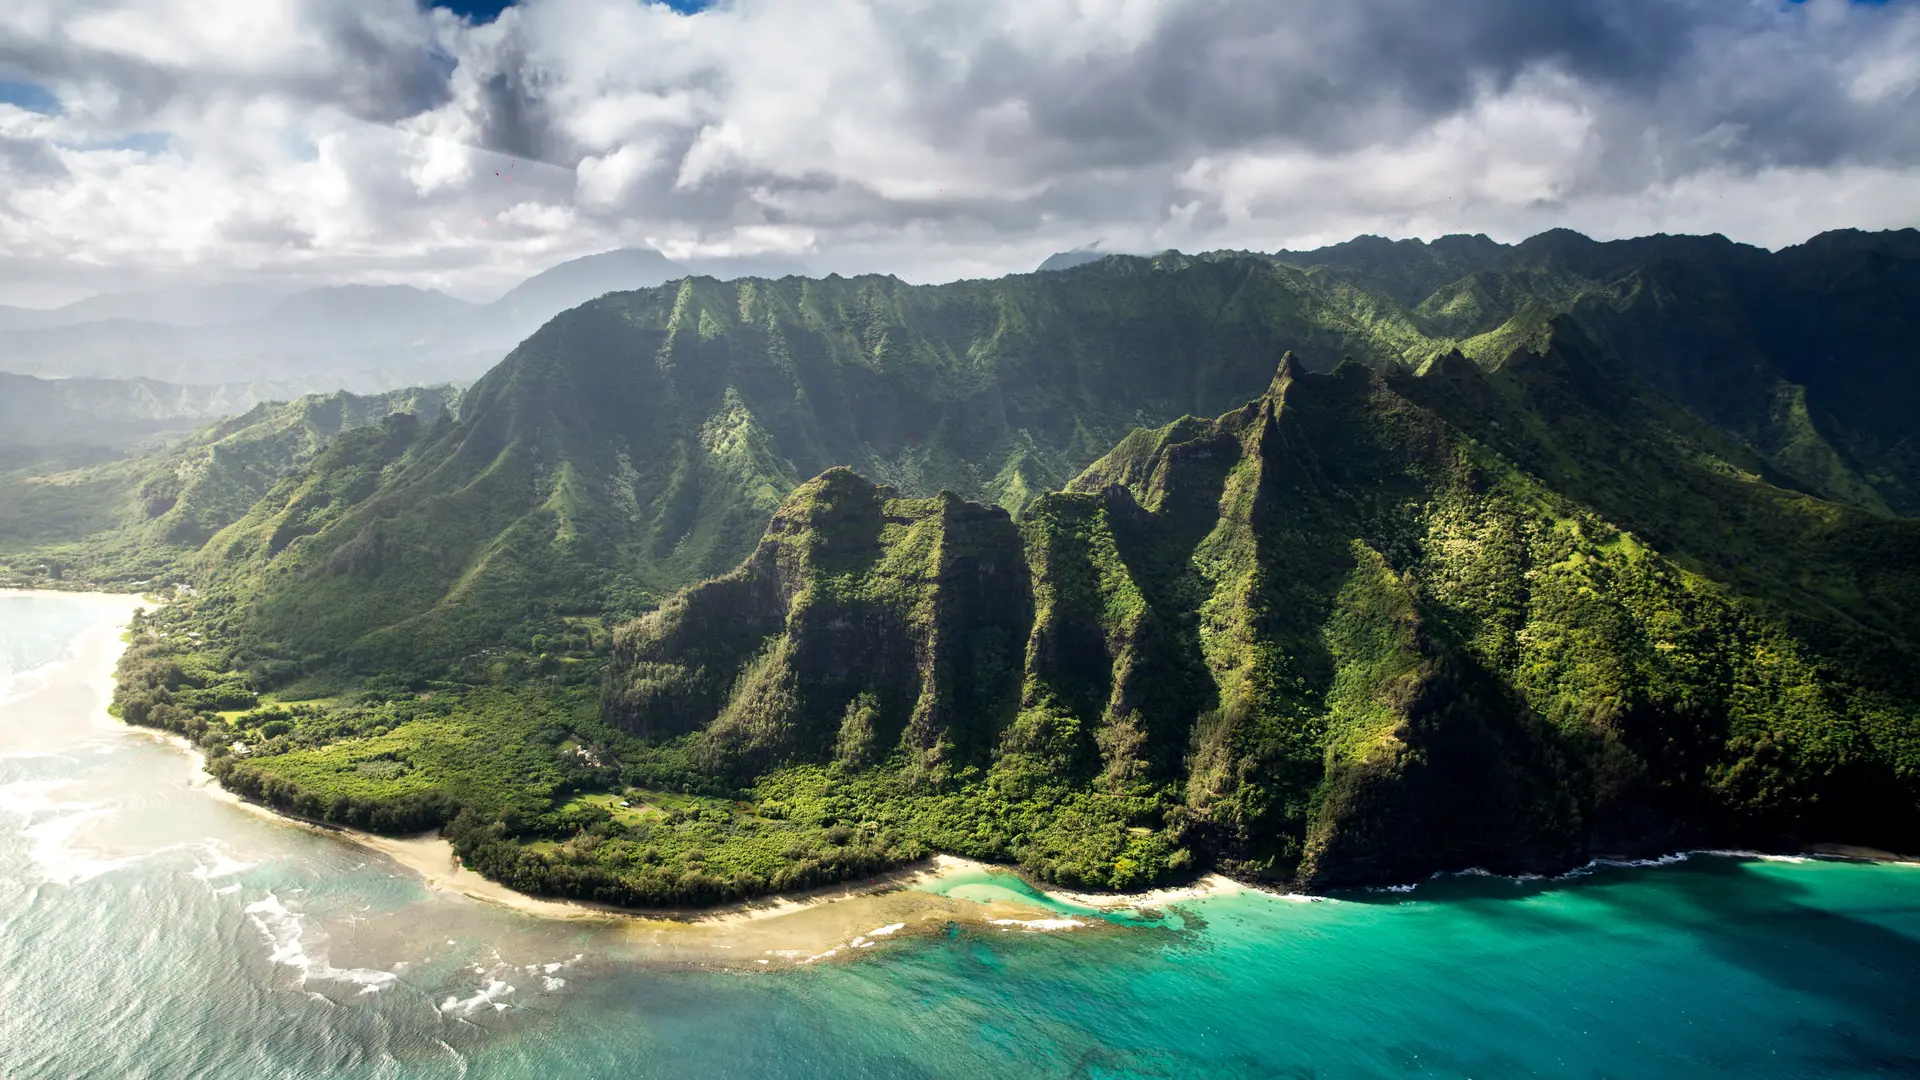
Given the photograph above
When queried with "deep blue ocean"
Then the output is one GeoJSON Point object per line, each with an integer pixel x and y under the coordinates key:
{"type": "Point", "coordinates": [150, 929]}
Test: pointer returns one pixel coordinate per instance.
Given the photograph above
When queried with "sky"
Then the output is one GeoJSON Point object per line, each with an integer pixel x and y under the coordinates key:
{"type": "Point", "coordinates": [463, 147]}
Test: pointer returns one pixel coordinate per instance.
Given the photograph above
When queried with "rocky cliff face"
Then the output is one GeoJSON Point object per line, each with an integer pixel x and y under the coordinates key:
{"type": "Point", "coordinates": [864, 625]}
{"type": "Point", "coordinates": [640, 442]}
{"type": "Point", "coordinates": [1335, 636]}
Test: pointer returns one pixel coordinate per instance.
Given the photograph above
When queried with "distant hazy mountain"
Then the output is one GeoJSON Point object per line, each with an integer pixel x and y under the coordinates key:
{"type": "Point", "coordinates": [189, 305]}
{"type": "Point", "coordinates": [532, 302]}
{"type": "Point", "coordinates": [362, 315]}
{"type": "Point", "coordinates": [87, 419]}
{"type": "Point", "coordinates": [1066, 260]}
{"type": "Point", "coordinates": [350, 337]}
{"type": "Point", "coordinates": [107, 413]}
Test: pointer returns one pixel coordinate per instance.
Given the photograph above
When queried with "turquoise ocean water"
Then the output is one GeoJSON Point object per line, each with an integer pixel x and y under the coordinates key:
{"type": "Point", "coordinates": [147, 929]}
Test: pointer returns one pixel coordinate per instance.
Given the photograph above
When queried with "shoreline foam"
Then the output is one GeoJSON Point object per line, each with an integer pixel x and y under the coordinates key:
{"type": "Point", "coordinates": [813, 925]}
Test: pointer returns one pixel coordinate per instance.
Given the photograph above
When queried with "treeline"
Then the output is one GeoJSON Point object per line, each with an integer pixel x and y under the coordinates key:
{"type": "Point", "coordinates": [162, 685]}
{"type": "Point", "coordinates": [681, 879]}
{"type": "Point", "coordinates": [410, 813]}
{"type": "Point", "coordinates": [502, 769]}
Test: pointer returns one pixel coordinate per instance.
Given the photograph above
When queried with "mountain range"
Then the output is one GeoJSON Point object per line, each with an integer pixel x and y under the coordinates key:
{"type": "Point", "coordinates": [107, 417]}
{"type": "Point", "coordinates": [364, 338]}
{"type": "Point", "coordinates": [1523, 553]}
{"type": "Point", "coordinates": [189, 305]}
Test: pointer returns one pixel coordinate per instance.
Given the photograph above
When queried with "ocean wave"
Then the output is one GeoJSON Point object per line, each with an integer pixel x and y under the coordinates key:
{"type": "Point", "coordinates": [23, 684]}
{"type": "Point", "coordinates": [215, 863]}
{"type": "Point", "coordinates": [1039, 924]}
{"type": "Point", "coordinates": [30, 797]}
{"type": "Point", "coordinates": [489, 994]}
{"type": "Point", "coordinates": [1589, 867]}
{"type": "Point", "coordinates": [50, 842]}
{"type": "Point", "coordinates": [550, 981]}
{"type": "Point", "coordinates": [1763, 856]}
{"type": "Point", "coordinates": [289, 944]}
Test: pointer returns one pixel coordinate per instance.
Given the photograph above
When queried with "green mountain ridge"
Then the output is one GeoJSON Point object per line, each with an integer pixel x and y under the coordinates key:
{"type": "Point", "coordinates": [639, 443]}
{"type": "Point", "coordinates": [1328, 638]}
{"type": "Point", "coordinates": [1589, 547]}
{"type": "Point", "coordinates": [135, 519]}
{"type": "Point", "coordinates": [1800, 353]}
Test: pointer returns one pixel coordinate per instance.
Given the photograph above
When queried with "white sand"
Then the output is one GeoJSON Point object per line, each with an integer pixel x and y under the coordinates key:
{"type": "Point", "coordinates": [836, 921]}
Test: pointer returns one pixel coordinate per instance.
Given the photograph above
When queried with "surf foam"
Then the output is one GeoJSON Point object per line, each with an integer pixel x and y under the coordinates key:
{"type": "Point", "coordinates": [289, 944]}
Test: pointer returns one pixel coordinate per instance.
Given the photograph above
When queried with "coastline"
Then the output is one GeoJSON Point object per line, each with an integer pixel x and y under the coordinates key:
{"type": "Point", "coordinates": [792, 927]}
{"type": "Point", "coordinates": [1206, 885]}
{"type": "Point", "coordinates": [1857, 853]}
{"type": "Point", "coordinates": [95, 650]}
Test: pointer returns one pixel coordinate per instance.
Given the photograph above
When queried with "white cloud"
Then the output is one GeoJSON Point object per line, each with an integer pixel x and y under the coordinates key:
{"type": "Point", "coordinates": [361, 141]}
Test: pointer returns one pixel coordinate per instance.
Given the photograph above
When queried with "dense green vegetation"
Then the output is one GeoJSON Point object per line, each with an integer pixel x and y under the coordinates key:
{"type": "Point", "coordinates": [1592, 547]}
{"type": "Point", "coordinates": [1330, 637]}
{"type": "Point", "coordinates": [127, 521]}
{"type": "Point", "coordinates": [43, 419]}
{"type": "Point", "coordinates": [1805, 354]}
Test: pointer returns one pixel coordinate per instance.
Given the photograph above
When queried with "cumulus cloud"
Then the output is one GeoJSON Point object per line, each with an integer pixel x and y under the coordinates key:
{"type": "Point", "coordinates": [385, 141]}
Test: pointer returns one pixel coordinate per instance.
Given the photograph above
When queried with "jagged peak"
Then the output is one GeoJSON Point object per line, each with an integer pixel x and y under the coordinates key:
{"type": "Point", "coordinates": [1350, 370]}
{"type": "Point", "coordinates": [1291, 370]}
{"type": "Point", "coordinates": [1452, 364]}
{"type": "Point", "coordinates": [839, 477]}
{"type": "Point", "coordinates": [837, 489]}
{"type": "Point", "coordinates": [1563, 335]}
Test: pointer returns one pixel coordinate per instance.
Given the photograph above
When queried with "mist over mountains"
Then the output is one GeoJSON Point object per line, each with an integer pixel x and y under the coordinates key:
{"type": "Point", "coordinates": [363, 338]}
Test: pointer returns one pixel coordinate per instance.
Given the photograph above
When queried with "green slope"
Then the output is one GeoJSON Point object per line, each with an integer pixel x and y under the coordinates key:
{"type": "Point", "coordinates": [1596, 547]}
{"type": "Point", "coordinates": [639, 443]}
{"type": "Point", "coordinates": [1807, 354]}
{"type": "Point", "coordinates": [1331, 636]}
{"type": "Point", "coordinates": [134, 519]}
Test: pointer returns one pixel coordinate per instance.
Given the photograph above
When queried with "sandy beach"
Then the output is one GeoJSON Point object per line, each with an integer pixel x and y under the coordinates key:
{"type": "Point", "coordinates": [837, 921]}
{"type": "Point", "coordinates": [1864, 854]}
{"type": "Point", "coordinates": [833, 921]}
{"type": "Point", "coordinates": [1207, 885]}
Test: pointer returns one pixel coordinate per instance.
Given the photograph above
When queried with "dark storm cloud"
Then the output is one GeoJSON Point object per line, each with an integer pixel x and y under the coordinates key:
{"type": "Point", "coordinates": [372, 60]}
{"type": "Point", "coordinates": [515, 120]}
{"type": "Point", "coordinates": [1671, 87]}
{"type": "Point", "coordinates": [30, 159]}
{"type": "Point", "coordinates": [916, 133]}
{"type": "Point", "coordinates": [1335, 77]}
{"type": "Point", "coordinates": [1332, 76]}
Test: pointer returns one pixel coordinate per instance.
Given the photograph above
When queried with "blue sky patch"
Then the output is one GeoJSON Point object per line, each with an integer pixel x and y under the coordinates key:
{"type": "Point", "coordinates": [485, 11]}
{"type": "Point", "coordinates": [29, 96]}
